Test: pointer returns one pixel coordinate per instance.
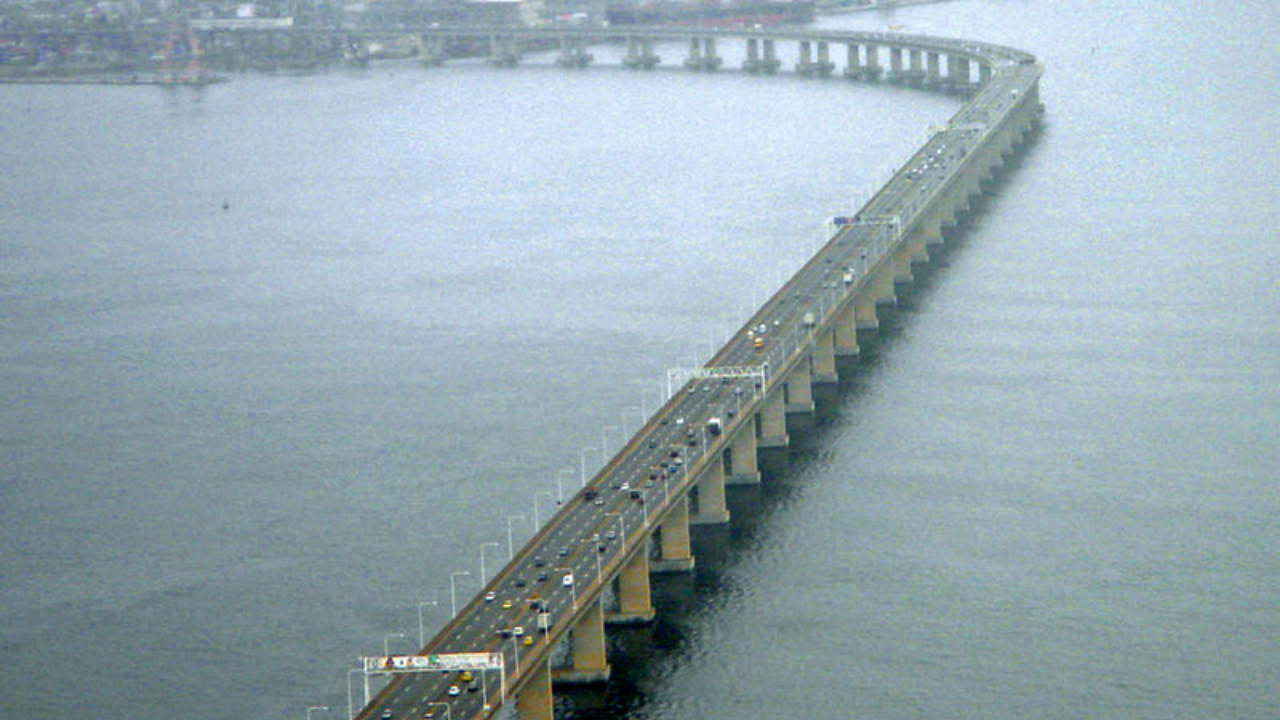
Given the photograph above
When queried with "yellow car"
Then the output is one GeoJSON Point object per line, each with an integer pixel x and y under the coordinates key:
{"type": "Point", "coordinates": [466, 676]}
{"type": "Point", "coordinates": [506, 604]}
{"type": "Point", "coordinates": [528, 640]}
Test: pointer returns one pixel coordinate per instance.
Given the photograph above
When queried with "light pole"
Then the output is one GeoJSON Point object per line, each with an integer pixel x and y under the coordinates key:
{"type": "Point", "coordinates": [573, 591]}
{"type": "Point", "coordinates": [453, 591]}
{"type": "Point", "coordinates": [582, 457]}
{"type": "Point", "coordinates": [511, 548]}
{"type": "Point", "coordinates": [536, 520]}
{"type": "Point", "coordinates": [559, 482]}
{"type": "Point", "coordinates": [386, 642]}
{"type": "Point", "coordinates": [635, 410]}
{"type": "Point", "coordinates": [515, 647]}
{"type": "Point", "coordinates": [483, 577]}
{"type": "Point", "coordinates": [447, 715]}
{"type": "Point", "coordinates": [422, 639]}
{"type": "Point", "coordinates": [596, 552]}
{"type": "Point", "coordinates": [351, 710]}
{"type": "Point", "coordinates": [604, 442]}
{"type": "Point", "coordinates": [622, 532]}
{"type": "Point", "coordinates": [324, 708]}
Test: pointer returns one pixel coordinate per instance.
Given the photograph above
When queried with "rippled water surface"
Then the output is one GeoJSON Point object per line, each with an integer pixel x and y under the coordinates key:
{"type": "Point", "coordinates": [238, 447]}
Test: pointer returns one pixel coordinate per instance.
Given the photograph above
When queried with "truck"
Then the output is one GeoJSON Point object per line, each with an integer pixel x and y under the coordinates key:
{"type": "Point", "coordinates": [714, 426]}
{"type": "Point", "coordinates": [809, 320]}
{"type": "Point", "coordinates": [848, 276]}
{"type": "Point", "coordinates": [544, 622]}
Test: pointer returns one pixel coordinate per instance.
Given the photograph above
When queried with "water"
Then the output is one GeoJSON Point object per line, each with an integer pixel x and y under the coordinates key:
{"type": "Point", "coordinates": [241, 445]}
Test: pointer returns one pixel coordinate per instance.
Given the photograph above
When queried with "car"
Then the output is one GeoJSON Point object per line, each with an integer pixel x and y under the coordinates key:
{"type": "Point", "coordinates": [517, 631]}
{"type": "Point", "coordinates": [653, 444]}
{"type": "Point", "coordinates": [505, 633]}
{"type": "Point", "coordinates": [595, 537]}
{"type": "Point", "coordinates": [539, 562]}
{"type": "Point", "coordinates": [519, 582]}
{"type": "Point", "coordinates": [490, 596]}
{"type": "Point", "coordinates": [563, 551]}
{"type": "Point", "coordinates": [454, 690]}
{"type": "Point", "coordinates": [679, 421]}
{"type": "Point", "coordinates": [473, 687]}
{"type": "Point", "coordinates": [602, 549]}
{"type": "Point", "coordinates": [611, 534]}
{"type": "Point", "coordinates": [624, 487]}
{"type": "Point", "coordinates": [528, 640]}
{"type": "Point", "coordinates": [664, 421]}
{"type": "Point", "coordinates": [428, 714]}
{"type": "Point", "coordinates": [466, 676]}
{"type": "Point", "coordinates": [506, 604]}
{"type": "Point", "coordinates": [568, 579]}
{"type": "Point", "coordinates": [542, 577]}
{"type": "Point", "coordinates": [387, 714]}
{"type": "Point", "coordinates": [598, 502]}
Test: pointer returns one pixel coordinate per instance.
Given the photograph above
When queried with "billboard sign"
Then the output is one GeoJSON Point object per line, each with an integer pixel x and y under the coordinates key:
{"type": "Point", "coordinates": [451, 662]}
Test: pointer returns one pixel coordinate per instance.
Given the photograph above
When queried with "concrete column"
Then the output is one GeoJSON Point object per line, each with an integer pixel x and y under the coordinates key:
{"type": "Point", "coordinates": [918, 248]}
{"type": "Point", "coordinates": [743, 468]}
{"type": "Point", "coordinates": [711, 60]}
{"type": "Point", "coordinates": [824, 357]}
{"type": "Point", "coordinates": [882, 286]}
{"type": "Point", "coordinates": [895, 62]}
{"type": "Point", "coordinates": [635, 604]}
{"type": "Point", "coordinates": [846, 336]}
{"type": "Point", "coordinates": [771, 62]}
{"type": "Point", "coordinates": [984, 72]}
{"type": "Point", "coordinates": [933, 68]}
{"type": "Point", "coordinates": [694, 59]}
{"type": "Point", "coordinates": [772, 420]}
{"type": "Point", "coordinates": [752, 63]}
{"type": "Point", "coordinates": [711, 504]}
{"type": "Point", "coordinates": [873, 61]}
{"type": "Point", "coordinates": [534, 700]}
{"type": "Point", "coordinates": [902, 266]}
{"type": "Point", "coordinates": [864, 312]}
{"type": "Point", "coordinates": [959, 70]}
{"type": "Point", "coordinates": [825, 66]}
{"type": "Point", "coordinates": [852, 62]}
{"type": "Point", "coordinates": [590, 662]}
{"type": "Point", "coordinates": [800, 388]}
{"type": "Point", "coordinates": [917, 66]}
{"type": "Point", "coordinates": [677, 553]}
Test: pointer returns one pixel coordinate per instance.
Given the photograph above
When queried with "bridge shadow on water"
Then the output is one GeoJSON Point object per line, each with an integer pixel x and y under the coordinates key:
{"type": "Point", "coordinates": [643, 657]}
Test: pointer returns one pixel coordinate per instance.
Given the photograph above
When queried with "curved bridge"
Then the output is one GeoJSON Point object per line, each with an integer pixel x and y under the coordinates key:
{"type": "Point", "coordinates": [589, 565]}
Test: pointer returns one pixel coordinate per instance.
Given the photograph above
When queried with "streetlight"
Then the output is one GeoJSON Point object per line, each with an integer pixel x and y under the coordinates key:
{"type": "Point", "coordinates": [573, 590]}
{"type": "Point", "coordinates": [386, 642]}
{"type": "Point", "coordinates": [422, 640]}
{"type": "Point", "coordinates": [604, 441]}
{"type": "Point", "coordinates": [484, 545]}
{"type": "Point", "coordinates": [447, 716]}
{"type": "Point", "coordinates": [537, 495]}
{"type": "Point", "coordinates": [324, 708]}
{"type": "Point", "coordinates": [622, 533]}
{"type": "Point", "coordinates": [560, 485]}
{"type": "Point", "coordinates": [453, 591]}
{"type": "Point", "coordinates": [582, 456]}
{"type": "Point", "coordinates": [596, 552]}
{"type": "Point", "coordinates": [637, 411]}
{"type": "Point", "coordinates": [351, 710]}
{"type": "Point", "coordinates": [511, 548]}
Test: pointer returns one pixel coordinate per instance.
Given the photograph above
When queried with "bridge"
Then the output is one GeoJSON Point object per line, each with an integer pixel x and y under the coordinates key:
{"type": "Point", "coordinates": [589, 566]}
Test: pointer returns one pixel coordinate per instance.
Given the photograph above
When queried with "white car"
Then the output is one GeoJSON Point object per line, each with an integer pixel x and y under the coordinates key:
{"type": "Point", "coordinates": [490, 597]}
{"type": "Point", "coordinates": [568, 579]}
{"type": "Point", "coordinates": [454, 690]}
